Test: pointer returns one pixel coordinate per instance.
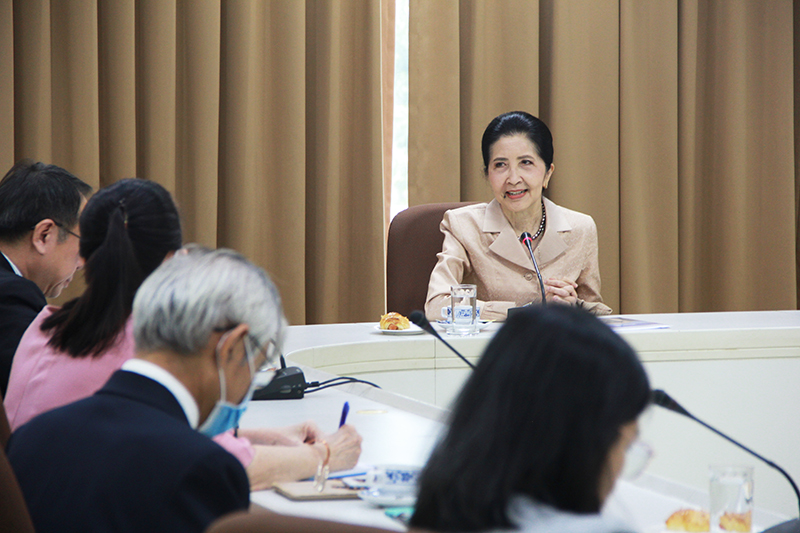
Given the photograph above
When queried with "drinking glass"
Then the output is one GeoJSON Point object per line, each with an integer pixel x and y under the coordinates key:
{"type": "Point", "coordinates": [731, 492]}
{"type": "Point", "coordinates": [464, 301]}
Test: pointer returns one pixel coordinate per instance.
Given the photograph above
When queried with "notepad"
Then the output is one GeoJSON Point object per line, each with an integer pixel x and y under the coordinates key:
{"type": "Point", "coordinates": [305, 491]}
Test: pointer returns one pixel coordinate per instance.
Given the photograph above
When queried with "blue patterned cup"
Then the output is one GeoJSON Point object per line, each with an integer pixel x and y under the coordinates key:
{"type": "Point", "coordinates": [394, 479]}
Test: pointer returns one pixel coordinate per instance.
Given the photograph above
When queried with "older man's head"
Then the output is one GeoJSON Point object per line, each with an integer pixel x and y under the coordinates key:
{"type": "Point", "coordinates": [210, 318]}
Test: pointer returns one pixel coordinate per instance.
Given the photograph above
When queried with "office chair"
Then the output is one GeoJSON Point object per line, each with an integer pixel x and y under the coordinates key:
{"type": "Point", "coordinates": [14, 516]}
{"type": "Point", "coordinates": [260, 521]}
{"type": "Point", "coordinates": [414, 240]}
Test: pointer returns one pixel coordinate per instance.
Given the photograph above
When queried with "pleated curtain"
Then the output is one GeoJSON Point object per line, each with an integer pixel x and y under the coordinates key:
{"type": "Point", "coordinates": [265, 119]}
{"type": "Point", "coordinates": [673, 125]}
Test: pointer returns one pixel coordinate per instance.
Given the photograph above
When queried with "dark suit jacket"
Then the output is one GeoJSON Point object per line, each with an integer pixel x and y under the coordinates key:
{"type": "Point", "coordinates": [20, 302]}
{"type": "Point", "coordinates": [124, 460]}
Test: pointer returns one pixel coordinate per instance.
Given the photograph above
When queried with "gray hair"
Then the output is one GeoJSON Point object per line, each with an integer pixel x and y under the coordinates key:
{"type": "Point", "coordinates": [195, 293]}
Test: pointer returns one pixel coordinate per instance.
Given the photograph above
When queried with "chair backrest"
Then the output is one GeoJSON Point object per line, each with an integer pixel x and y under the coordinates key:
{"type": "Point", "coordinates": [5, 427]}
{"type": "Point", "coordinates": [14, 514]}
{"type": "Point", "coordinates": [261, 521]}
{"type": "Point", "coordinates": [414, 240]}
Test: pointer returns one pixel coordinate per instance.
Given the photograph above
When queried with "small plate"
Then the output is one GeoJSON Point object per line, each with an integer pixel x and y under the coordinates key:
{"type": "Point", "coordinates": [448, 327]}
{"type": "Point", "coordinates": [412, 330]}
{"type": "Point", "coordinates": [379, 499]}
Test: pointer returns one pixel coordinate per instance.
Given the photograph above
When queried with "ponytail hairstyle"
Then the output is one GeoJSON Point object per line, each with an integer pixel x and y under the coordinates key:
{"type": "Point", "coordinates": [127, 229]}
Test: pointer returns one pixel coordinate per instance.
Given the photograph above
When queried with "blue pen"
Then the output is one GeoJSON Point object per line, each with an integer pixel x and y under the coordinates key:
{"type": "Point", "coordinates": [345, 410]}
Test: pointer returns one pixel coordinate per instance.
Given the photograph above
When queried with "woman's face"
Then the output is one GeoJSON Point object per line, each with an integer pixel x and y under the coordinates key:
{"type": "Point", "coordinates": [517, 174]}
{"type": "Point", "coordinates": [616, 458]}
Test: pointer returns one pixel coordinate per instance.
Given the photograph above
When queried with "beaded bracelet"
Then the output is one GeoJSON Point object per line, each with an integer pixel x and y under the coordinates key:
{"type": "Point", "coordinates": [323, 469]}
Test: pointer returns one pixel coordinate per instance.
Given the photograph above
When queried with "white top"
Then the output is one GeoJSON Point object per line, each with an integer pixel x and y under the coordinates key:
{"type": "Point", "coordinates": [170, 382]}
{"type": "Point", "coordinates": [534, 517]}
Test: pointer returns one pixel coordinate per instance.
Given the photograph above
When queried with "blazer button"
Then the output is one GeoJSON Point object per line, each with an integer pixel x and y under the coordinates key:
{"type": "Point", "coordinates": [528, 276]}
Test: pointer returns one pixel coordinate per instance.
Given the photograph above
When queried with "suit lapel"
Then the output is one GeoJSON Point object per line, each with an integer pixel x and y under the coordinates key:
{"type": "Point", "coordinates": [552, 245]}
{"type": "Point", "coordinates": [507, 244]}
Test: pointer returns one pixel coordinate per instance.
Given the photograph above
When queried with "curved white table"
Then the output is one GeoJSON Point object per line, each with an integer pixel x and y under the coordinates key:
{"type": "Point", "coordinates": [737, 371]}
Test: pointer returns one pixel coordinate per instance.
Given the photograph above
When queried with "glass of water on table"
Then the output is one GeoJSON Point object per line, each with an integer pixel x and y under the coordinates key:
{"type": "Point", "coordinates": [464, 305]}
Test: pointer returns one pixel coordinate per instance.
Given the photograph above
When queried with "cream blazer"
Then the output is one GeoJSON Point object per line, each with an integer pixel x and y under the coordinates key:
{"type": "Point", "coordinates": [480, 247]}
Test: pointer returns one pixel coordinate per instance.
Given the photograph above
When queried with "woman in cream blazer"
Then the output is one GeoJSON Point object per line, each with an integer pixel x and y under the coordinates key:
{"type": "Point", "coordinates": [482, 245]}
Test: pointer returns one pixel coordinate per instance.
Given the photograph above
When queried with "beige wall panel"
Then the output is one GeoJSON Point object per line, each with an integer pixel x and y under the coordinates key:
{"type": "Point", "coordinates": [117, 81]}
{"type": "Point", "coordinates": [580, 103]}
{"type": "Point", "coordinates": [648, 157]}
{"type": "Point", "coordinates": [32, 77]}
{"type": "Point", "coordinates": [76, 136]}
{"type": "Point", "coordinates": [499, 58]}
{"type": "Point", "coordinates": [6, 85]}
{"type": "Point", "coordinates": [344, 241]}
{"type": "Point", "coordinates": [737, 148]}
{"type": "Point", "coordinates": [262, 142]}
{"type": "Point", "coordinates": [434, 110]}
{"type": "Point", "coordinates": [156, 87]}
{"type": "Point", "coordinates": [197, 118]}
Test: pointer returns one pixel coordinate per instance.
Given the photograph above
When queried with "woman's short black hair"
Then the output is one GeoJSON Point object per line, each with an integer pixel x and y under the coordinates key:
{"type": "Point", "coordinates": [518, 122]}
{"type": "Point", "coordinates": [537, 417]}
{"type": "Point", "coordinates": [127, 229]}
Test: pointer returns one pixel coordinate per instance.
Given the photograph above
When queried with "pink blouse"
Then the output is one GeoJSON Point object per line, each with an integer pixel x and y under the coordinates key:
{"type": "Point", "coordinates": [43, 378]}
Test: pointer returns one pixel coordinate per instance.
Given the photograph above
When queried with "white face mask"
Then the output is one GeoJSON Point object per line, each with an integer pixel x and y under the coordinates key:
{"type": "Point", "coordinates": [225, 415]}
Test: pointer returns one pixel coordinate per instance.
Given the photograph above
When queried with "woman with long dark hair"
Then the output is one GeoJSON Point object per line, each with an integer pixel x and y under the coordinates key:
{"type": "Point", "coordinates": [539, 433]}
{"type": "Point", "coordinates": [126, 231]}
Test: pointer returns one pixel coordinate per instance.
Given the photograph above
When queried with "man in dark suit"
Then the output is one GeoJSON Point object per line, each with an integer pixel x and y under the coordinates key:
{"type": "Point", "coordinates": [136, 456]}
{"type": "Point", "coordinates": [39, 209]}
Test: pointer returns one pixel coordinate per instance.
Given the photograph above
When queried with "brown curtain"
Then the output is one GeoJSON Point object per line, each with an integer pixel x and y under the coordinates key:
{"type": "Point", "coordinates": [264, 119]}
{"type": "Point", "coordinates": [673, 126]}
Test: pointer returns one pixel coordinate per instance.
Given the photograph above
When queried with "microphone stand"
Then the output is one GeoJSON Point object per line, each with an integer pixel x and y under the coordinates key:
{"type": "Point", "coordinates": [664, 400]}
{"type": "Point", "coordinates": [419, 318]}
{"type": "Point", "coordinates": [527, 240]}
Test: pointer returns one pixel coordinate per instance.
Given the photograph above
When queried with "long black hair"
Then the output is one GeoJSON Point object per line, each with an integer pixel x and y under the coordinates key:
{"type": "Point", "coordinates": [537, 417]}
{"type": "Point", "coordinates": [127, 229]}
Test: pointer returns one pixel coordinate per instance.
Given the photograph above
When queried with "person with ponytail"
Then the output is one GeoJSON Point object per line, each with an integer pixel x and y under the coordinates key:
{"type": "Point", "coordinates": [68, 353]}
{"type": "Point", "coordinates": [126, 231]}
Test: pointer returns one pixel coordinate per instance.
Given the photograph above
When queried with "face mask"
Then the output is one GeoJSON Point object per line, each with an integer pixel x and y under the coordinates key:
{"type": "Point", "coordinates": [225, 415]}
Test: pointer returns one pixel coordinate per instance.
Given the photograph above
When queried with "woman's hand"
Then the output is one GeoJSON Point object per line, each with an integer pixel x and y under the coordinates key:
{"type": "Point", "coordinates": [345, 447]}
{"type": "Point", "coordinates": [304, 433]}
{"type": "Point", "coordinates": [561, 291]}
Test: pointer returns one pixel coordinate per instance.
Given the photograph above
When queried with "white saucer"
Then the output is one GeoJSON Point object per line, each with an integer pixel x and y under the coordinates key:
{"type": "Point", "coordinates": [448, 327]}
{"type": "Point", "coordinates": [413, 329]}
{"type": "Point", "coordinates": [377, 498]}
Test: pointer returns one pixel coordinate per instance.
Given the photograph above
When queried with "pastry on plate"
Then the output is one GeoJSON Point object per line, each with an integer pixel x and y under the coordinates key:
{"type": "Point", "coordinates": [394, 321]}
{"type": "Point", "coordinates": [688, 520]}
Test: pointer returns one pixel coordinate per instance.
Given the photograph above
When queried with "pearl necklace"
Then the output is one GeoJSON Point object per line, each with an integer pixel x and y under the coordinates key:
{"type": "Point", "coordinates": [541, 225]}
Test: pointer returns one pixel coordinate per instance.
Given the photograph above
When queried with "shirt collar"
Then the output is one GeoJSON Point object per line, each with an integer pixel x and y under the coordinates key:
{"type": "Point", "coordinates": [170, 382]}
{"type": "Point", "coordinates": [13, 266]}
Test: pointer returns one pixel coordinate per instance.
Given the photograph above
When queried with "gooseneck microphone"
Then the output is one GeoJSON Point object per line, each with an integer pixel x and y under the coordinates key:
{"type": "Point", "coordinates": [419, 318]}
{"type": "Point", "coordinates": [664, 400]}
{"type": "Point", "coordinates": [527, 240]}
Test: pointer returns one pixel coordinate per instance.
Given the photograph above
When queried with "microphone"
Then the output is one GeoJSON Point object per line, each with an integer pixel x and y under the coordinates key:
{"type": "Point", "coordinates": [418, 318]}
{"type": "Point", "coordinates": [527, 240]}
{"type": "Point", "coordinates": [664, 400]}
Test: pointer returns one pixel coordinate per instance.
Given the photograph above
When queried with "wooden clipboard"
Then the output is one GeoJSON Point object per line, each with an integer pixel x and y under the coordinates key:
{"type": "Point", "coordinates": [304, 491]}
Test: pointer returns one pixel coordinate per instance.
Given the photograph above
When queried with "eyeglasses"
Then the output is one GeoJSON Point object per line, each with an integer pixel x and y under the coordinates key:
{"type": "Point", "coordinates": [268, 351]}
{"type": "Point", "coordinates": [62, 226]}
{"type": "Point", "coordinates": [637, 457]}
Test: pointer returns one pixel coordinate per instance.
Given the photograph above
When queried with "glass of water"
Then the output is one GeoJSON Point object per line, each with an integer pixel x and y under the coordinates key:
{"type": "Point", "coordinates": [464, 302]}
{"type": "Point", "coordinates": [731, 492]}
